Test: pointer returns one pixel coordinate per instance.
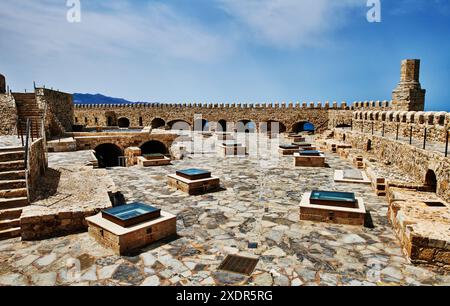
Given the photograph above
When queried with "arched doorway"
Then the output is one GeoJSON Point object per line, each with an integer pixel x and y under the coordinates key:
{"type": "Point", "coordinates": [153, 146]}
{"type": "Point", "coordinates": [369, 145]}
{"type": "Point", "coordinates": [123, 122]}
{"type": "Point", "coordinates": [222, 126]}
{"type": "Point", "coordinates": [108, 155]}
{"type": "Point", "coordinates": [431, 181]}
{"type": "Point", "coordinates": [303, 126]}
{"type": "Point", "coordinates": [179, 125]}
{"type": "Point", "coordinates": [272, 126]}
{"type": "Point", "coordinates": [245, 126]}
{"type": "Point", "coordinates": [201, 125]}
{"type": "Point", "coordinates": [158, 123]}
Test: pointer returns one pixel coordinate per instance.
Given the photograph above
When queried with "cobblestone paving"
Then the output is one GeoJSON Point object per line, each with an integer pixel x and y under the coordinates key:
{"type": "Point", "coordinates": [211, 226]}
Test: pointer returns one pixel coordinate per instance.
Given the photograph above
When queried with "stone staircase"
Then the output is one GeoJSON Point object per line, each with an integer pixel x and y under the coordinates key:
{"type": "Point", "coordinates": [13, 190]}
{"type": "Point", "coordinates": [27, 108]}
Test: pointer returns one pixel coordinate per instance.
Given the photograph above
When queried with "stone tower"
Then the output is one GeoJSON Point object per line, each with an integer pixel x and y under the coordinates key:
{"type": "Point", "coordinates": [2, 84]}
{"type": "Point", "coordinates": [409, 95]}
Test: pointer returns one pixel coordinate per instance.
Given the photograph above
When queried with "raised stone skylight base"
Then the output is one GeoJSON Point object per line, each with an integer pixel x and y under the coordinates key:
{"type": "Point", "coordinates": [238, 150]}
{"type": "Point", "coordinates": [341, 176]}
{"type": "Point", "coordinates": [332, 214]}
{"type": "Point", "coordinates": [144, 162]}
{"type": "Point", "coordinates": [194, 187]}
{"type": "Point", "coordinates": [125, 240]}
{"type": "Point", "coordinates": [309, 161]}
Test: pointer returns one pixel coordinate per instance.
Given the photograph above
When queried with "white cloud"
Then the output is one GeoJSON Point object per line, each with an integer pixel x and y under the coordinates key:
{"type": "Point", "coordinates": [290, 23]}
{"type": "Point", "coordinates": [39, 27]}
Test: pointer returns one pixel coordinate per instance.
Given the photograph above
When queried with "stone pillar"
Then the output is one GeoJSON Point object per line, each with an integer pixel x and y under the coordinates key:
{"type": "Point", "coordinates": [2, 84]}
{"type": "Point", "coordinates": [409, 95]}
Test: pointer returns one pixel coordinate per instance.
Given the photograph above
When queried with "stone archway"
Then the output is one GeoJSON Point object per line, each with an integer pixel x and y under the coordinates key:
{"type": "Point", "coordinates": [154, 146]}
{"type": "Point", "coordinates": [201, 125]}
{"type": "Point", "coordinates": [179, 125]}
{"type": "Point", "coordinates": [123, 122]}
{"type": "Point", "coordinates": [108, 155]}
{"type": "Point", "coordinates": [431, 181]}
{"type": "Point", "coordinates": [245, 126]}
{"type": "Point", "coordinates": [158, 123]}
{"type": "Point", "coordinates": [221, 126]}
{"type": "Point", "coordinates": [272, 126]}
{"type": "Point", "coordinates": [303, 126]}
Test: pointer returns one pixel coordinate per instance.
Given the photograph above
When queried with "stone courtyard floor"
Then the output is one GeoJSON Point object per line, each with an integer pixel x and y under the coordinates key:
{"type": "Point", "coordinates": [211, 226]}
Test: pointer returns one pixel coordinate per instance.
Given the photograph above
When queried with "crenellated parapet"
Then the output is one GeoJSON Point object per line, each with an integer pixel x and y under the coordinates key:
{"type": "Point", "coordinates": [372, 105]}
{"type": "Point", "coordinates": [406, 122]}
{"type": "Point", "coordinates": [202, 105]}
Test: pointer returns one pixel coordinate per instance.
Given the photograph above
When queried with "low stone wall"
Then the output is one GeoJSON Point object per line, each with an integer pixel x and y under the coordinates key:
{"type": "Point", "coordinates": [414, 161]}
{"type": "Point", "coordinates": [8, 115]}
{"type": "Point", "coordinates": [66, 196]}
{"type": "Point", "coordinates": [38, 164]}
{"type": "Point", "coordinates": [56, 224]}
{"type": "Point", "coordinates": [423, 231]}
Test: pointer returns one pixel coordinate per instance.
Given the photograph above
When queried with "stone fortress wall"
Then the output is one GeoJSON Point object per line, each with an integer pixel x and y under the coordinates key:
{"type": "Point", "coordinates": [55, 108]}
{"type": "Point", "coordinates": [145, 114]}
{"type": "Point", "coordinates": [8, 112]}
{"type": "Point", "coordinates": [59, 110]}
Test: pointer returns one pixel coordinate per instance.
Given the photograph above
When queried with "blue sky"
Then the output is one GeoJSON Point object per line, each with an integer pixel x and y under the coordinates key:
{"type": "Point", "coordinates": [227, 50]}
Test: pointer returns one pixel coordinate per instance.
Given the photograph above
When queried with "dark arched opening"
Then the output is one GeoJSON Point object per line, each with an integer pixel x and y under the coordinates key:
{"type": "Point", "coordinates": [431, 181]}
{"type": "Point", "coordinates": [369, 145]}
{"type": "Point", "coordinates": [109, 121]}
{"type": "Point", "coordinates": [272, 126]}
{"type": "Point", "coordinates": [152, 147]}
{"type": "Point", "coordinates": [221, 126]}
{"type": "Point", "coordinates": [303, 126]}
{"type": "Point", "coordinates": [245, 126]}
{"type": "Point", "coordinates": [123, 123]}
{"type": "Point", "coordinates": [201, 125]}
{"type": "Point", "coordinates": [179, 125]}
{"type": "Point", "coordinates": [158, 123]}
{"type": "Point", "coordinates": [108, 155]}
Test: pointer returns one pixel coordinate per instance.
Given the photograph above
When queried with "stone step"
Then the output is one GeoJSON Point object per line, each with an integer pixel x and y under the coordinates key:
{"type": "Point", "coordinates": [12, 175]}
{"type": "Point", "coordinates": [13, 203]}
{"type": "Point", "coordinates": [10, 156]}
{"type": "Point", "coordinates": [13, 193]}
{"type": "Point", "coordinates": [11, 149]}
{"type": "Point", "coordinates": [8, 224]}
{"type": "Point", "coordinates": [10, 214]}
{"type": "Point", "coordinates": [12, 184]}
{"type": "Point", "coordinates": [10, 233]}
{"type": "Point", "coordinates": [12, 165]}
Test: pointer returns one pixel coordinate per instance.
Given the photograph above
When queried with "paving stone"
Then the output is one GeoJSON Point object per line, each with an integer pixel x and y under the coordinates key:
{"type": "Point", "coordinates": [46, 260]}
{"type": "Point", "coordinates": [151, 281]}
{"type": "Point", "coordinates": [44, 279]}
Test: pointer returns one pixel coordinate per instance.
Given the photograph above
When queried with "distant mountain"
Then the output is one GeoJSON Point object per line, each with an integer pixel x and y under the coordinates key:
{"type": "Point", "coordinates": [97, 99]}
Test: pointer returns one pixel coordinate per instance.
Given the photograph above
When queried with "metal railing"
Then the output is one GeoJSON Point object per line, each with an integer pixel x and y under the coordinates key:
{"type": "Point", "coordinates": [26, 161]}
{"type": "Point", "coordinates": [411, 136]}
